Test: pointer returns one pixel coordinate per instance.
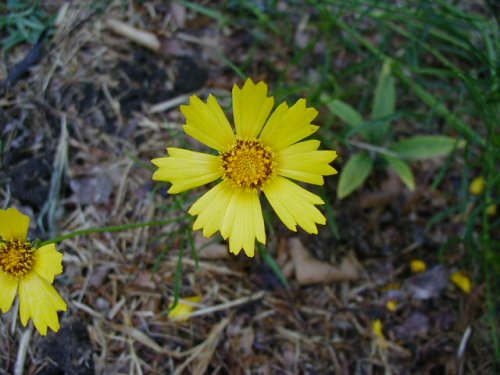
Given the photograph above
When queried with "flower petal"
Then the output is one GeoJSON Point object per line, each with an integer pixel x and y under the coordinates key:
{"type": "Point", "coordinates": [48, 262]}
{"type": "Point", "coordinates": [211, 208]}
{"type": "Point", "coordinates": [187, 169]}
{"type": "Point", "coordinates": [40, 301]}
{"type": "Point", "coordinates": [303, 164]}
{"type": "Point", "coordinates": [251, 108]}
{"type": "Point", "coordinates": [287, 126]}
{"type": "Point", "coordinates": [8, 289]}
{"type": "Point", "coordinates": [294, 204]}
{"type": "Point", "coordinates": [207, 123]}
{"type": "Point", "coordinates": [13, 224]}
{"type": "Point", "coordinates": [243, 222]}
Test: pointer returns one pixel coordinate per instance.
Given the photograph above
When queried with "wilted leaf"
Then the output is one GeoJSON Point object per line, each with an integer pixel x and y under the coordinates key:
{"type": "Point", "coordinates": [426, 146]}
{"type": "Point", "coordinates": [403, 171]}
{"type": "Point", "coordinates": [355, 172]}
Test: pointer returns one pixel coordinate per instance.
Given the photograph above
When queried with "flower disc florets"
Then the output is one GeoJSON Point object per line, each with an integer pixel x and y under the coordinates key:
{"type": "Point", "coordinates": [248, 164]}
{"type": "Point", "coordinates": [16, 257]}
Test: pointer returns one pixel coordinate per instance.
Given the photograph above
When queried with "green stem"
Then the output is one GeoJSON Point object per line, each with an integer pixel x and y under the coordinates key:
{"type": "Point", "coordinates": [269, 260]}
{"type": "Point", "coordinates": [115, 228]}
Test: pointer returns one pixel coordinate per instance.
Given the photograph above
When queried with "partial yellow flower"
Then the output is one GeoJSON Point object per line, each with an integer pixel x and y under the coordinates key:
{"type": "Point", "coordinates": [30, 272]}
{"type": "Point", "coordinates": [263, 153]}
{"type": "Point", "coordinates": [184, 307]}
{"type": "Point", "coordinates": [477, 185]}
{"type": "Point", "coordinates": [462, 281]}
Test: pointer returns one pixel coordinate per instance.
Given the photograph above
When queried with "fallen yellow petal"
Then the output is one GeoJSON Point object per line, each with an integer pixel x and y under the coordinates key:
{"type": "Point", "coordinates": [391, 305]}
{"type": "Point", "coordinates": [377, 328]}
{"type": "Point", "coordinates": [462, 281]}
{"type": "Point", "coordinates": [491, 209]}
{"type": "Point", "coordinates": [184, 307]}
{"type": "Point", "coordinates": [477, 185]}
{"type": "Point", "coordinates": [417, 265]}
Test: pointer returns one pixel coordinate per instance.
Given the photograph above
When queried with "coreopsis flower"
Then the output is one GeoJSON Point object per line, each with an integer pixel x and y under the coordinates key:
{"type": "Point", "coordinates": [29, 272]}
{"type": "Point", "coordinates": [263, 153]}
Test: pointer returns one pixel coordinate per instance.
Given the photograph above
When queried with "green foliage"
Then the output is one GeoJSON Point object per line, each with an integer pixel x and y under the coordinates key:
{"type": "Point", "coordinates": [22, 21]}
{"type": "Point", "coordinates": [377, 132]}
{"type": "Point", "coordinates": [402, 169]}
{"type": "Point", "coordinates": [384, 103]}
{"type": "Point", "coordinates": [422, 147]}
{"type": "Point", "coordinates": [355, 172]}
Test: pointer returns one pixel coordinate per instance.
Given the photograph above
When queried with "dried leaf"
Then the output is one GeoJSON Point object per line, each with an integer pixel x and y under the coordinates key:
{"type": "Point", "coordinates": [312, 271]}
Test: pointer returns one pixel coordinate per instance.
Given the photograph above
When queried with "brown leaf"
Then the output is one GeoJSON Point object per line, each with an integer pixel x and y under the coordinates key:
{"type": "Point", "coordinates": [208, 249]}
{"type": "Point", "coordinates": [309, 270]}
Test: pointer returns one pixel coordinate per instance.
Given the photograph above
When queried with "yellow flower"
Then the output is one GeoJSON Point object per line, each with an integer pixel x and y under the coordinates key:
{"type": "Point", "coordinates": [462, 281]}
{"type": "Point", "coordinates": [263, 153]}
{"type": "Point", "coordinates": [30, 272]}
{"type": "Point", "coordinates": [417, 266]}
{"type": "Point", "coordinates": [184, 307]}
{"type": "Point", "coordinates": [477, 185]}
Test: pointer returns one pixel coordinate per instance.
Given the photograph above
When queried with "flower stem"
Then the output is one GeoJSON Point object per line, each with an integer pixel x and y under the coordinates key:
{"type": "Point", "coordinates": [115, 228]}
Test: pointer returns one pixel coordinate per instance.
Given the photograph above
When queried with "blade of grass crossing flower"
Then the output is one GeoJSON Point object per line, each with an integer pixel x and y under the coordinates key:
{"type": "Point", "coordinates": [384, 101]}
{"type": "Point", "coordinates": [402, 170]}
{"type": "Point", "coordinates": [177, 282]}
{"type": "Point", "coordinates": [355, 172]}
{"type": "Point", "coordinates": [269, 260]}
{"type": "Point", "coordinates": [426, 146]}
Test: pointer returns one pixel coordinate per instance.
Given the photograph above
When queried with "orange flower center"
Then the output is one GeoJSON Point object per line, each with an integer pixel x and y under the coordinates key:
{"type": "Point", "coordinates": [248, 164]}
{"type": "Point", "coordinates": [16, 257]}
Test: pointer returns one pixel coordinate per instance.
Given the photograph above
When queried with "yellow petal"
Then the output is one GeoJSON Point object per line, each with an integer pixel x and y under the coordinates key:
{"type": "Point", "coordinates": [417, 265]}
{"type": "Point", "coordinates": [8, 289]}
{"type": "Point", "coordinates": [287, 126]}
{"type": "Point", "coordinates": [377, 328]}
{"type": "Point", "coordinates": [187, 169]}
{"type": "Point", "coordinates": [306, 166]}
{"type": "Point", "coordinates": [491, 210]}
{"type": "Point", "coordinates": [13, 224]}
{"type": "Point", "coordinates": [477, 185]}
{"type": "Point", "coordinates": [211, 208]}
{"type": "Point", "coordinates": [48, 262]}
{"type": "Point", "coordinates": [243, 222]}
{"type": "Point", "coordinates": [184, 307]}
{"type": "Point", "coordinates": [294, 204]}
{"type": "Point", "coordinates": [462, 281]}
{"type": "Point", "coordinates": [391, 305]}
{"type": "Point", "coordinates": [251, 108]}
{"type": "Point", "coordinates": [207, 123]}
{"type": "Point", "coordinates": [40, 301]}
